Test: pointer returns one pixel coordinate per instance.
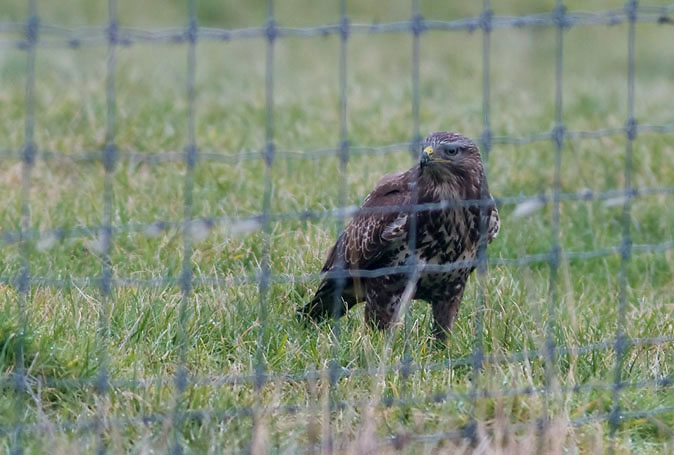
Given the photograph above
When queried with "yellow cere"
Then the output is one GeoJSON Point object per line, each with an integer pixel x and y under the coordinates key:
{"type": "Point", "coordinates": [428, 150]}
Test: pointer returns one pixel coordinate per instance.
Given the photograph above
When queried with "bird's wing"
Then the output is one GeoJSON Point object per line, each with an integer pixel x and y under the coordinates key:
{"type": "Point", "coordinates": [494, 223]}
{"type": "Point", "coordinates": [379, 222]}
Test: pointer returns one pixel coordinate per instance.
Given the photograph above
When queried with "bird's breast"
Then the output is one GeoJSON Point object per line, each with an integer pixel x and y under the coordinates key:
{"type": "Point", "coordinates": [442, 237]}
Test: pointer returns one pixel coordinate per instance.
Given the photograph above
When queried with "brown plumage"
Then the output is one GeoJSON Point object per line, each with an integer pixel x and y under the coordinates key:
{"type": "Point", "coordinates": [379, 237]}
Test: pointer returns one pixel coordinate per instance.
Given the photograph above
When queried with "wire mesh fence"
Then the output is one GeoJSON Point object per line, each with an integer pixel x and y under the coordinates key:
{"type": "Point", "coordinates": [21, 386]}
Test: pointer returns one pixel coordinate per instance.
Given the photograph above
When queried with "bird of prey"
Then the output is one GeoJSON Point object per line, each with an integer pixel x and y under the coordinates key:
{"type": "Point", "coordinates": [433, 218]}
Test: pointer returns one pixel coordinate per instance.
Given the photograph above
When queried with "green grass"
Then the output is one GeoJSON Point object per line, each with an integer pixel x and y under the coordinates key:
{"type": "Point", "coordinates": [64, 338]}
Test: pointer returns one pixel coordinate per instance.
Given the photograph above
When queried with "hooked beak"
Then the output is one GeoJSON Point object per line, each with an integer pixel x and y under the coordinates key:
{"type": "Point", "coordinates": [426, 156]}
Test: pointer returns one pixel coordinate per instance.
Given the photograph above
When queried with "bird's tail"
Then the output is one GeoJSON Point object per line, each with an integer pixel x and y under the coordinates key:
{"type": "Point", "coordinates": [332, 298]}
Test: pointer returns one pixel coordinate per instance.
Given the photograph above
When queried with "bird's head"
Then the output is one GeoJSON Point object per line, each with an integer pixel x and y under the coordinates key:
{"type": "Point", "coordinates": [450, 157]}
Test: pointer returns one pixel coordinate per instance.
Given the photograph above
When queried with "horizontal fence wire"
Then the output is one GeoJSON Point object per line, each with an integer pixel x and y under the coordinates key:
{"type": "Point", "coordinates": [208, 155]}
{"type": "Point", "coordinates": [74, 282]}
{"type": "Point", "coordinates": [343, 372]}
{"type": "Point", "coordinates": [87, 424]}
{"type": "Point", "coordinates": [290, 278]}
{"type": "Point", "coordinates": [33, 34]}
{"type": "Point", "coordinates": [75, 37]}
{"type": "Point", "coordinates": [49, 238]}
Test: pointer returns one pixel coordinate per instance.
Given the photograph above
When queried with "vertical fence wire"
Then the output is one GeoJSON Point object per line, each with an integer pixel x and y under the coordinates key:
{"type": "Point", "coordinates": [105, 240]}
{"type": "Point", "coordinates": [477, 353]}
{"type": "Point", "coordinates": [555, 252]}
{"type": "Point", "coordinates": [24, 279]}
{"type": "Point", "coordinates": [181, 380]}
{"type": "Point", "coordinates": [265, 265]}
{"type": "Point", "coordinates": [620, 345]}
{"type": "Point", "coordinates": [343, 154]}
{"type": "Point", "coordinates": [413, 275]}
{"type": "Point", "coordinates": [417, 29]}
{"type": "Point", "coordinates": [340, 282]}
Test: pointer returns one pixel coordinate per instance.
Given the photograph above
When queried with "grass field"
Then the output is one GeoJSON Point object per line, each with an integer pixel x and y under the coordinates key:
{"type": "Point", "coordinates": [71, 331]}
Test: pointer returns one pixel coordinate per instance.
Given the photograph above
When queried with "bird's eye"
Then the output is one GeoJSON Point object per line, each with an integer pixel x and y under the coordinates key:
{"type": "Point", "coordinates": [451, 149]}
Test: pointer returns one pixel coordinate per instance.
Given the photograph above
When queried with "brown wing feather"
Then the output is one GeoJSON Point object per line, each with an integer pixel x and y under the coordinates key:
{"type": "Point", "coordinates": [366, 236]}
{"type": "Point", "coordinates": [361, 242]}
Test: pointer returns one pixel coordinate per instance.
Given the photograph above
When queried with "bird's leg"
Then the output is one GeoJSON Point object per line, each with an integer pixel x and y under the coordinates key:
{"type": "Point", "coordinates": [444, 313]}
{"type": "Point", "coordinates": [382, 302]}
{"type": "Point", "coordinates": [379, 316]}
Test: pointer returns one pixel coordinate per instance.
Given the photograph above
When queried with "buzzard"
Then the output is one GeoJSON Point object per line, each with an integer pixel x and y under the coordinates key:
{"type": "Point", "coordinates": [450, 225]}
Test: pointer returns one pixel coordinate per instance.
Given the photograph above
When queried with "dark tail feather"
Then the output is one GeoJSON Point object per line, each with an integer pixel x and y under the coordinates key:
{"type": "Point", "coordinates": [329, 300]}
